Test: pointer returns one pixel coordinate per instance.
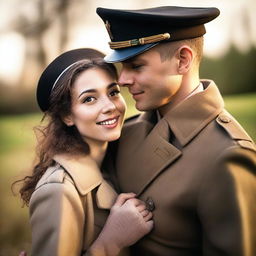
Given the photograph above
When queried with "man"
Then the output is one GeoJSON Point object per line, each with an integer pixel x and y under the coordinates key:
{"type": "Point", "coordinates": [186, 156]}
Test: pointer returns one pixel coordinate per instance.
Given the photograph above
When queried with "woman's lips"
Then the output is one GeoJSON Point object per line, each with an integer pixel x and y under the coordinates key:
{"type": "Point", "coordinates": [110, 122]}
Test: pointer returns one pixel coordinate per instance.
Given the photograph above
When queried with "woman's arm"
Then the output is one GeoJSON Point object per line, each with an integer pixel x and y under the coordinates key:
{"type": "Point", "coordinates": [57, 221]}
{"type": "Point", "coordinates": [129, 220]}
{"type": "Point", "coordinates": [56, 217]}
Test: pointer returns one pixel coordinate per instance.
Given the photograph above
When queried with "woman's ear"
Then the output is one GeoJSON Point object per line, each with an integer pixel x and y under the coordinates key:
{"type": "Point", "coordinates": [68, 120]}
{"type": "Point", "coordinates": [185, 56]}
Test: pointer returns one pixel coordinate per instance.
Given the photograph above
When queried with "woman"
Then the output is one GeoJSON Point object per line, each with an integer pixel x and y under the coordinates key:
{"type": "Point", "coordinates": [68, 198]}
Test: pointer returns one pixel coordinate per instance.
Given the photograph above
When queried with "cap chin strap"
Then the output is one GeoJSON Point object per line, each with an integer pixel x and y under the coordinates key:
{"type": "Point", "coordinates": [139, 41]}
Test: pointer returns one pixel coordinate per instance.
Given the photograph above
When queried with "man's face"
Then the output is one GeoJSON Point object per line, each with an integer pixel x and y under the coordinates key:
{"type": "Point", "coordinates": [152, 82]}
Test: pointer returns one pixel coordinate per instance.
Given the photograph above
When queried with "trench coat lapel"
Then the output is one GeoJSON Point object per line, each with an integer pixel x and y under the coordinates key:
{"type": "Point", "coordinates": [187, 119]}
{"type": "Point", "coordinates": [149, 153]}
{"type": "Point", "coordinates": [87, 176]}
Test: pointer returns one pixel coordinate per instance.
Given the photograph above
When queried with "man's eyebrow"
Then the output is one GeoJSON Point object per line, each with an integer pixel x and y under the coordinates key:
{"type": "Point", "coordinates": [94, 90]}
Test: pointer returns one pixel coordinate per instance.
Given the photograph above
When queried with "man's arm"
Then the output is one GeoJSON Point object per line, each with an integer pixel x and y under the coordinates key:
{"type": "Point", "coordinates": [227, 205]}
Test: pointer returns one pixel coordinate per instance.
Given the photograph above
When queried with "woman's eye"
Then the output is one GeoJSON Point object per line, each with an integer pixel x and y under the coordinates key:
{"type": "Point", "coordinates": [114, 92]}
{"type": "Point", "coordinates": [89, 99]}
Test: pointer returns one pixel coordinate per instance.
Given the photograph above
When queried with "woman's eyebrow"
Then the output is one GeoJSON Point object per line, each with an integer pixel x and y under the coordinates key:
{"type": "Point", "coordinates": [94, 90]}
{"type": "Point", "coordinates": [86, 91]}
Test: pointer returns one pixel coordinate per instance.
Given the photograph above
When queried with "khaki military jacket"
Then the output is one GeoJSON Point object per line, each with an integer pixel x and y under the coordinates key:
{"type": "Point", "coordinates": [196, 168]}
{"type": "Point", "coordinates": [69, 207]}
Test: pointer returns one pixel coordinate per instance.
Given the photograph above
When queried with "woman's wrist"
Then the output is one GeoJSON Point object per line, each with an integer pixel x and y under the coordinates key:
{"type": "Point", "coordinates": [103, 247]}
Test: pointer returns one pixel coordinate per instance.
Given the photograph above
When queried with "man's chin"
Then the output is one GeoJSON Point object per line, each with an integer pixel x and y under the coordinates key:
{"type": "Point", "coordinates": [143, 108]}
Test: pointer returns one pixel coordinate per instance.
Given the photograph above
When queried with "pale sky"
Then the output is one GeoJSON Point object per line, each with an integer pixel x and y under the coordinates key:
{"type": "Point", "coordinates": [228, 26]}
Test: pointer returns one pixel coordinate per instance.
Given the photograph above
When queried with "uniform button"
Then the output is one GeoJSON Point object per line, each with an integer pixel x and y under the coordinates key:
{"type": "Point", "coordinates": [224, 119]}
{"type": "Point", "coordinates": [150, 204]}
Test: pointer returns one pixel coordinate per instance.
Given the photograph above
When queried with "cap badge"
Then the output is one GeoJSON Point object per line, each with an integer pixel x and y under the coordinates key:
{"type": "Point", "coordinates": [107, 25]}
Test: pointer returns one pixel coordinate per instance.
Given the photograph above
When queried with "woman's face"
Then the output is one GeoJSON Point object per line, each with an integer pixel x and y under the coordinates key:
{"type": "Point", "coordinates": [97, 107]}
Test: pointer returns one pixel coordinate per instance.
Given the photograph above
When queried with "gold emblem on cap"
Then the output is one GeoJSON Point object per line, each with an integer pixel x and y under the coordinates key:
{"type": "Point", "coordinates": [107, 25]}
{"type": "Point", "coordinates": [139, 41]}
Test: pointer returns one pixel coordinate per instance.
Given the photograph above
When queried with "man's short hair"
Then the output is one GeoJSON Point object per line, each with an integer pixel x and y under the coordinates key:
{"type": "Point", "coordinates": [196, 44]}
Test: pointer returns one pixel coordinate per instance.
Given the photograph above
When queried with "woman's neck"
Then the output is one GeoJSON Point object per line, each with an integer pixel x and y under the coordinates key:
{"type": "Point", "coordinates": [97, 150]}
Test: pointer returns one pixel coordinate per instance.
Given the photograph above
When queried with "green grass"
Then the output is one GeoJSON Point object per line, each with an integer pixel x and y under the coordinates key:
{"type": "Point", "coordinates": [17, 144]}
{"type": "Point", "coordinates": [243, 108]}
{"type": "Point", "coordinates": [16, 156]}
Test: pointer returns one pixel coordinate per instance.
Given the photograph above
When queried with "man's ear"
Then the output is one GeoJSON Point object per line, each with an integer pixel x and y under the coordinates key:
{"type": "Point", "coordinates": [68, 120]}
{"type": "Point", "coordinates": [185, 56]}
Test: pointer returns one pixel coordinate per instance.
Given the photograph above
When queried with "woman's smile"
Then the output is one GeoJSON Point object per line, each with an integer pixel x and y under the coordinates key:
{"type": "Point", "coordinates": [109, 123]}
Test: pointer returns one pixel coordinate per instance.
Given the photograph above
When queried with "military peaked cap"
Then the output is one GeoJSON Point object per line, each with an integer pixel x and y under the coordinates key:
{"type": "Point", "coordinates": [135, 31]}
{"type": "Point", "coordinates": [56, 69]}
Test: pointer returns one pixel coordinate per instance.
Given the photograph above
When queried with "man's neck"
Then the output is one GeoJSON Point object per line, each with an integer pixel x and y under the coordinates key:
{"type": "Point", "coordinates": [186, 90]}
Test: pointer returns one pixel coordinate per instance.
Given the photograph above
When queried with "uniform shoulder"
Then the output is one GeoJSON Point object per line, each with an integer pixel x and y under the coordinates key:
{"type": "Point", "coordinates": [235, 131]}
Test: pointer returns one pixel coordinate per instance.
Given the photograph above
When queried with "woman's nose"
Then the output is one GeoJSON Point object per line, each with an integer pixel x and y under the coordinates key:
{"type": "Point", "coordinates": [108, 106]}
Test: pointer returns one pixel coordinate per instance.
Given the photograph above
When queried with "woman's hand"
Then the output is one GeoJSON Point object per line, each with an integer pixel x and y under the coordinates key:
{"type": "Point", "coordinates": [129, 220]}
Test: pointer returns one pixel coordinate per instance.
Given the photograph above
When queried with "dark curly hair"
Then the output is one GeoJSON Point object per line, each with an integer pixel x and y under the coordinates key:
{"type": "Point", "coordinates": [56, 137]}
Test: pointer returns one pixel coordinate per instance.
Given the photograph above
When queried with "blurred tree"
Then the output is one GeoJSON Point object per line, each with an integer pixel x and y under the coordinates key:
{"type": "Point", "coordinates": [234, 73]}
{"type": "Point", "coordinates": [41, 16]}
{"type": "Point", "coordinates": [45, 26]}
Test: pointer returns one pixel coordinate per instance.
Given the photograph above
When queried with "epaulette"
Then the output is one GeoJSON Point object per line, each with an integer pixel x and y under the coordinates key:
{"type": "Point", "coordinates": [235, 130]}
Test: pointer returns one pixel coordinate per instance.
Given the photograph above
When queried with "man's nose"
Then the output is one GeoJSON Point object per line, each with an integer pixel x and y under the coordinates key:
{"type": "Point", "coordinates": [125, 78]}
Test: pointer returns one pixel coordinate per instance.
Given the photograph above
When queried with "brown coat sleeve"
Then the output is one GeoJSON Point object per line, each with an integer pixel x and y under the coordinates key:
{"type": "Point", "coordinates": [227, 205]}
{"type": "Point", "coordinates": [57, 219]}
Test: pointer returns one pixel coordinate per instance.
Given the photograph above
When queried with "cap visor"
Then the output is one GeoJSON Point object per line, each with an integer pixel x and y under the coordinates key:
{"type": "Point", "coordinates": [127, 53]}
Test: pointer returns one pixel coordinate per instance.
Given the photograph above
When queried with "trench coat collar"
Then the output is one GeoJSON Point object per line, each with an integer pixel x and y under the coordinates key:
{"type": "Point", "coordinates": [86, 176]}
{"type": "Point", "coordinates": [189, 117]}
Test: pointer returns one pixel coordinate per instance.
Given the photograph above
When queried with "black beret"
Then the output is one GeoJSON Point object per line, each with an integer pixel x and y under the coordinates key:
{"type": "Point", "coordinates": [134, 31]}
{"type": "Point", "coordinates": [58, 67]}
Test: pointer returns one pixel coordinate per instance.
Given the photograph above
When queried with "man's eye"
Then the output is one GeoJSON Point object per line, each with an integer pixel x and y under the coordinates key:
{"type": "Point", "coordinates": [136, 66]}
{"type": "Point", "coordinates": [89, 99]}
{"type": "Point", "coordinates": [114, 93]}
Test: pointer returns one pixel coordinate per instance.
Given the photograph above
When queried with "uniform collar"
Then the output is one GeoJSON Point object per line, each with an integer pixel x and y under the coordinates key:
{"type": "Point", "coordinates": [86, 176]}
{"type": "Point", "coordinates": [189, 117]}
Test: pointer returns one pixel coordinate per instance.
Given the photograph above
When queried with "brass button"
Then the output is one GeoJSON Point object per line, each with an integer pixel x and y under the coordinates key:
{"type": "Point", "coordinates": [224, 119]}
{"type": "Point", "coordinates": [150, 206]}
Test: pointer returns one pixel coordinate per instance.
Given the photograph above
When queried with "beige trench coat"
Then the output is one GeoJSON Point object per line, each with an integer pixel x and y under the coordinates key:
{"type": "Point", "coordinates": [197, 166]}
{"type": "Point", "coordinates": [69, 207]}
